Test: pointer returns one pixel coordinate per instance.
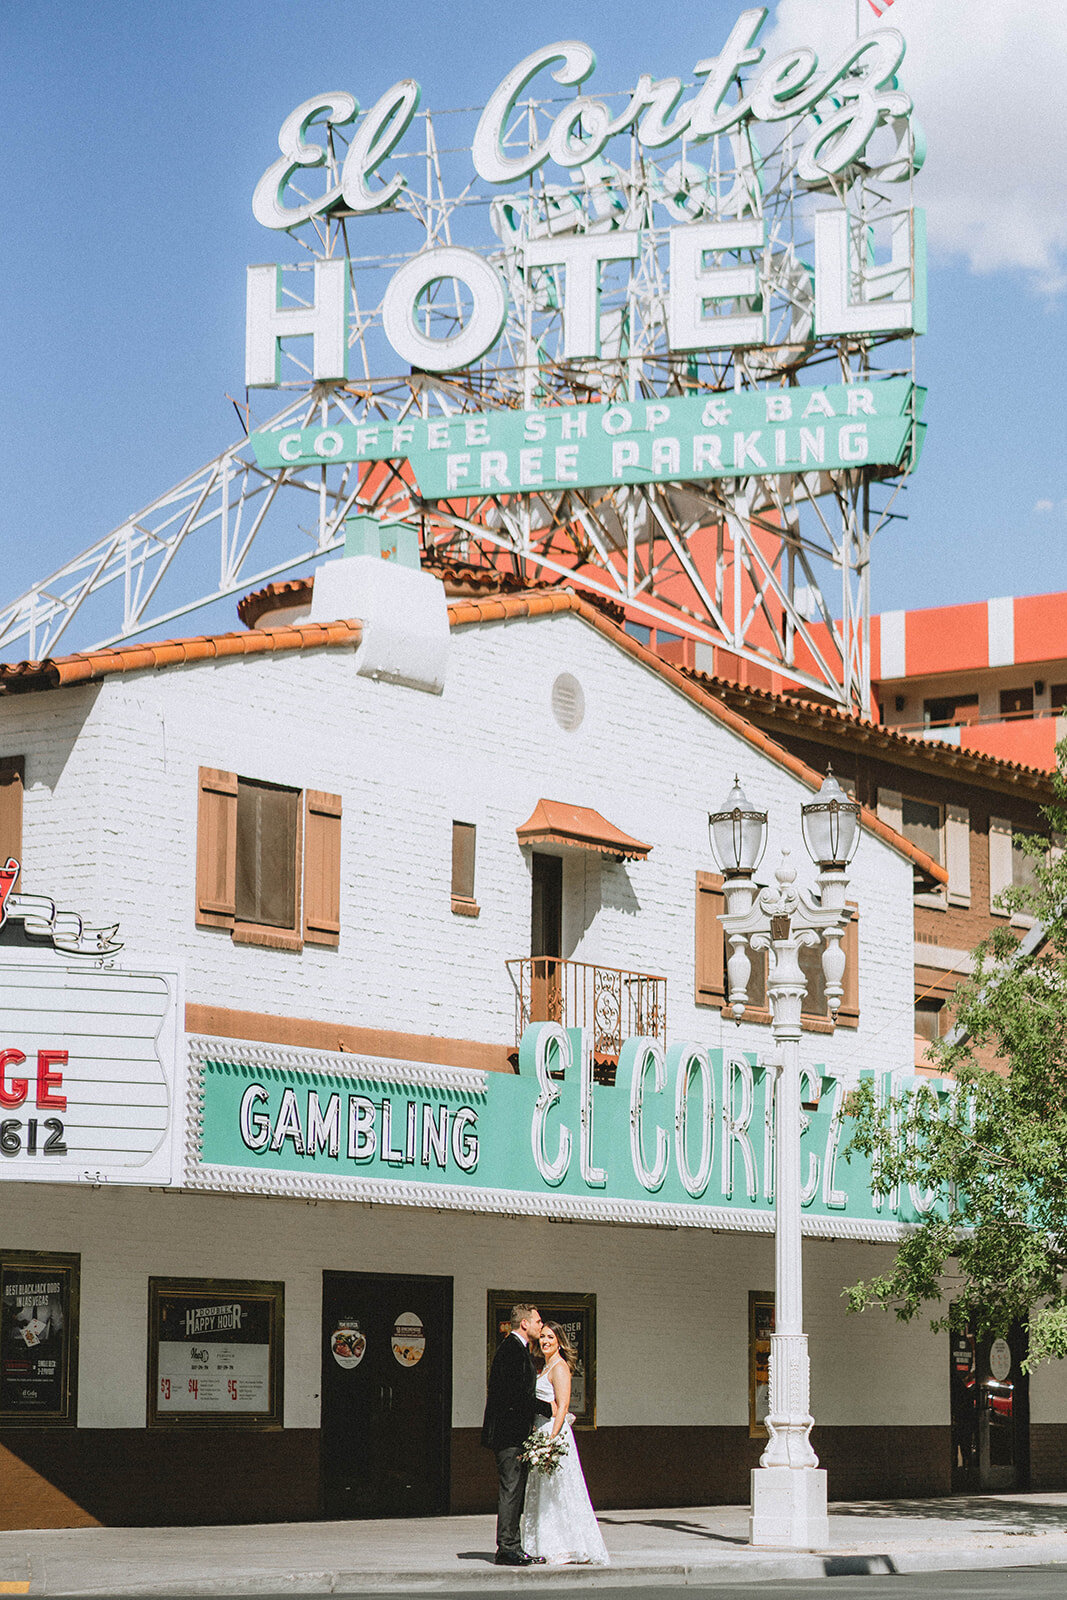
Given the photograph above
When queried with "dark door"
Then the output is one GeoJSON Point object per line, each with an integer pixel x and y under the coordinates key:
{"type": "Point", "coordinates": [990, 1412]}
{"type": "Point", "coordinates": [386, 1394]}
{"type": "Point", "coordinates": [546, 938]}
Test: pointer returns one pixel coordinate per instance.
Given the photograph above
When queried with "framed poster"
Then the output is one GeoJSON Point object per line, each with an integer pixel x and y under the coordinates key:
{"type": "Point", "coordinates": [215, 1353]}
{"type": "Point", "coordinates": [576, 1315]}
{"type": "Point", "coordinates": [760, 1328]}
{"type": "Point", "coordinates": [38, 1339]}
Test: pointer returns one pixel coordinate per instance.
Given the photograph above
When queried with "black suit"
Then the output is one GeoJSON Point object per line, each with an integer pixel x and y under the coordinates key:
{"type": "Point", "coordinates": [510, 1408]}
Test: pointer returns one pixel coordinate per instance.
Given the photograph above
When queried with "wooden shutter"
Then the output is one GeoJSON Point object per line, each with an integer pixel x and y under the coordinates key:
{"type": "Point", "coordinates": [1000, 863]}
{"type": "Point", "coordinates": [12, 773]}
{"type": "Point", "coordinates": [322, 867]}
{"type": "Point", "coordinates": [891, 808]}
{"type": "Point", "coordinates": [216, 848]}
{"type": "Point", "coordinates": [709, 963]}
{"type": "Point", "coordinates": [958, 854]}
{"type": "Point", "coordinates": [849, 1014]}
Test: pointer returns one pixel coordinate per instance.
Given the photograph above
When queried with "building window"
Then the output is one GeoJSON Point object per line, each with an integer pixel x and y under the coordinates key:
{"type": "Point", "coordinates": [950, 709]}
{"type": "Point", "coordinates": [464, 836]}
{"type": "Point", "coordinates": [929, 1015]}
{"type": "Point", "coordinates": [1017, 702]}
{"type": "Point", "coordinates": [1024, 865]}
{"type": "Point", "coordinates": [576, 1315]}
{"type": "Point", "coordinates": [1057, 698]}
{"type": "Point", "coordinates": [215, 1353]}
{"type": "Point", "coordinates": [760, 1328]}
{"type": "Point", "coordinates": [39, 1339]}
{"type": "Point", "coordinates": [12, 777]}
{"type": "Point", "coordinates": [268, 861]}
{"type": "Point", "coordinates": [920, 823]}
{"type": "Point", "coordinates": [268, 818]}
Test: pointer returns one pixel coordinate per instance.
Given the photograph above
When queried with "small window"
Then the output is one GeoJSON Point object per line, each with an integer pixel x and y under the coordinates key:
{"type": "Point", "coordinates": [267, 818]}
{"type": "Point", "coordinates": [1057, 697]}
{"type": "Point", "coordinates": [268, 861]}
{"type": "Point", "coordinates": [929, 1016]}
{"type": "Point", "coordinates": [1023, 864]}
{"type": "Point", "coordinates": [920, 823]}
{"type": "Point", "coordinates": [464, 836]}
{"type": "Point", "coordinates": [1017, 702]}
{"type": "Point", "coordinates": [12, 782]}
{"type": "Point", "coordinates": [950, 709]}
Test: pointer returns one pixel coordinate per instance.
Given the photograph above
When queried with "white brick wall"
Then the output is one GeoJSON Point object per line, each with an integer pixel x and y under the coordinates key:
{"type": "Point", "coordinates": [111, 812]}
{"type": "Point", "coordinates": [672, 1306]}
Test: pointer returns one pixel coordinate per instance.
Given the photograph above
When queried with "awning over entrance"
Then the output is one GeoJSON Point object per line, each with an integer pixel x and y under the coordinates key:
{"type": "Point", "coordinates": [580, 828]}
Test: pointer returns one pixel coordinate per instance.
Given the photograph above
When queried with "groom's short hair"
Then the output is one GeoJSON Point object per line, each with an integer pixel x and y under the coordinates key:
{"type": "Point", "coordinates": [519, 1314]}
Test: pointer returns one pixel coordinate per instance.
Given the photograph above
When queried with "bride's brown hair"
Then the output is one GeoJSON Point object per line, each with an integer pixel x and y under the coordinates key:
{"type": "Point", "coordinates": [566, 1349]}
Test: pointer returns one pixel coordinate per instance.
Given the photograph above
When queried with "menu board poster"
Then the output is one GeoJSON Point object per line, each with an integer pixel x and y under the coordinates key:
{"type": "Point", "coordinates": [38, 1339]}
{"type": "Point", "coordinates": [215, 1353]}
{"type": "Point", "coordinates": [760, 1328]}
{"type": "Point", "coordinates": [576, 1315]}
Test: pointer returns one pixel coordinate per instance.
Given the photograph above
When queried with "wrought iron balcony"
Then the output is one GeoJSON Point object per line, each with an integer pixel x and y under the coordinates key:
{"type": "Point", "coordinates": [615, 1005]}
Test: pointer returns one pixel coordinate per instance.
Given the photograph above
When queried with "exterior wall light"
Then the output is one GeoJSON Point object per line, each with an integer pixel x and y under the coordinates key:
{"type": "Point", "coordinates": [831, 826]}
{"type": "Point", "coordinates": [738, 834]}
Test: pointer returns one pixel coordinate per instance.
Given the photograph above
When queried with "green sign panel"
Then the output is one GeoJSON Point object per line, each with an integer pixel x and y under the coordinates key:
{"type": "Point", "coordinates": [684, 1129]}
{"type": "Point", "coordinates": [743, 434]}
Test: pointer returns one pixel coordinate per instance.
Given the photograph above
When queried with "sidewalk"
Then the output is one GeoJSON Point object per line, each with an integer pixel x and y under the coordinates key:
{"type": "Point", "coordinates": [689, 1546]}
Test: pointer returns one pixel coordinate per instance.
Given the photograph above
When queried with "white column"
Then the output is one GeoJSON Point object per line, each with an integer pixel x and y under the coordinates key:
{"type": "Point", "coordinates": [788, 1486]}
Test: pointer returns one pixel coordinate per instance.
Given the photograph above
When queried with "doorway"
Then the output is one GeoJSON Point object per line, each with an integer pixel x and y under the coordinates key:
{"type": "Point", "coordinates": [386, 1417]}
{"type": "Point", "coordinates": [546, 938]}
{"type": "Point", "coordinates": [990, 1411]}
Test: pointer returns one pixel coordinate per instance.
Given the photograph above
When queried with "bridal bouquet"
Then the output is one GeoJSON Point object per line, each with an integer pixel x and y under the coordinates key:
{"type": "Point", "coordinates": [543, 1454]}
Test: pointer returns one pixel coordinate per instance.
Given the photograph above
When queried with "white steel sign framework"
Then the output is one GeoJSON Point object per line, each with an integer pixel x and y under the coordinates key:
{"type": "Point", "coordinates": [744, 241]}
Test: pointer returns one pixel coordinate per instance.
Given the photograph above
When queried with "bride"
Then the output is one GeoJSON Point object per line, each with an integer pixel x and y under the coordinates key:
{"type": "Point", "coordinates": [559, 1524]}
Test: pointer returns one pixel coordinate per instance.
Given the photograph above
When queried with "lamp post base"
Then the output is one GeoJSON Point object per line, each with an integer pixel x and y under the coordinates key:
{"type": "Point", "coordinates": [789, 1508]}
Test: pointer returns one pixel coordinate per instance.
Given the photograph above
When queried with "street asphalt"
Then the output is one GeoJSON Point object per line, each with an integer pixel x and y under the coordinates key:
{"type": "Point", "coordinates": [694, 1547]}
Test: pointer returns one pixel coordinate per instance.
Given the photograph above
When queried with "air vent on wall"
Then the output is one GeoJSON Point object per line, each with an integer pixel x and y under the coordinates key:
{"type": "Point", "coordinates": [568, 702]}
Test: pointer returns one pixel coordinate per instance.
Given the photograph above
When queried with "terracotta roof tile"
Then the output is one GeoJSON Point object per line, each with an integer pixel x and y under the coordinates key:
{"type": "Point", "coordinates": [60, 671]}
{"type": "Point", "coordinates": [556, 822]}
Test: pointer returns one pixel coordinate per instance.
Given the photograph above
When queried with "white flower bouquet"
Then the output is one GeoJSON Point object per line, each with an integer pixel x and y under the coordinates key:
{"type": "Point", "coordinates": [543, 1454]}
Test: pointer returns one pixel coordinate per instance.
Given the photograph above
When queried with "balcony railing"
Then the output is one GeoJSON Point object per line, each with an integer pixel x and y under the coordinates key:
{"type": "Point", "coordinates": [614, 1005]}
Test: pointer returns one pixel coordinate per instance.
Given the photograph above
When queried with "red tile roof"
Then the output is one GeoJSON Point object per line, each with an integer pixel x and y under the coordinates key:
{"type": "Point", "coordinates": [555, 822]}
{"type": "Point", "coordinates": [89, 666]}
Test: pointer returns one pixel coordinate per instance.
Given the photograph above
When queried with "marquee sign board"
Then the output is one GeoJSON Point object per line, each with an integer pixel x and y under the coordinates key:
{"type": "Point", "coordinates": [720, 436]}
{"type": "Point", "coordinates": [88, 1052]}
{"type": "Point", "coordinates": [87, 1072]}
{"type": "Point", "coordinates": [746, 234]}
{"type": "Point", "coordinates": [682, 1138]}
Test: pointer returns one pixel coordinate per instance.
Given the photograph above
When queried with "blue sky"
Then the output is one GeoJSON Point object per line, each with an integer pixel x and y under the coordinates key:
{"type": "Point", "coordinates": [137, 133]}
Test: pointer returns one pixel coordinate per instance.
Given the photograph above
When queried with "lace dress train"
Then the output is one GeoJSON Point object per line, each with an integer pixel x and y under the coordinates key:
{"type": "Point", "coordinates": [558, 1521]}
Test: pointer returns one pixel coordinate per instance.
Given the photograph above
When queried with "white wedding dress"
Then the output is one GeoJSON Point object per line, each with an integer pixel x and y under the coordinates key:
{"type": "Point", "coordinates": [558, 1521]}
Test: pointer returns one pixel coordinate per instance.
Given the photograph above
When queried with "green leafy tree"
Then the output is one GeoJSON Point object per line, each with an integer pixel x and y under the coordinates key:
{"type": "Point", "coordinates": [993, 1248]}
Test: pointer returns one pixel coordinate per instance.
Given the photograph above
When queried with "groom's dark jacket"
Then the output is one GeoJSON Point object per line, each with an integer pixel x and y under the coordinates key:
{"type": "Point", "coordinates": [511, 1401]}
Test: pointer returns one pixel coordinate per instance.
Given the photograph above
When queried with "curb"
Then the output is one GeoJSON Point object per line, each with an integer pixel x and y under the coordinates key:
{"type": "Point", "coordinates": [795, 1566]}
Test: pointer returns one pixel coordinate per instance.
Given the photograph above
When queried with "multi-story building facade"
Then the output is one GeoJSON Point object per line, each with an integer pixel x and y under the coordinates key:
{"type": "Point", "coordinates": [304, 1162]}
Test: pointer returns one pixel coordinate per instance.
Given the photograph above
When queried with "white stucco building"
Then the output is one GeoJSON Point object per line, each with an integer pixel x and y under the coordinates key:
{"type": "Point", "coordinates": [330, 873]}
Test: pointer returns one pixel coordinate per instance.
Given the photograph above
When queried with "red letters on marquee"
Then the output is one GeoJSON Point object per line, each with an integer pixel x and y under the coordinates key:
{"type": "Point", "coordinates": [13, 1091]}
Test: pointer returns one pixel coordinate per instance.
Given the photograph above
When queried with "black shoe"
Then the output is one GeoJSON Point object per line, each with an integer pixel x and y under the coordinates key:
{"type": "Point", "coordinates": [511, 1558]}
{"type": "Point", "coordinates": [534, 1561]}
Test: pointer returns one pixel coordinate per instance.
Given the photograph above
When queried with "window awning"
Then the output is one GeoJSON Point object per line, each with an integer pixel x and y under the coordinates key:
{"type": "Point", "coordinates": [579, 828]}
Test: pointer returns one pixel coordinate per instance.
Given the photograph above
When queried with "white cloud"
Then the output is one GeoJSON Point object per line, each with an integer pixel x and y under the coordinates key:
{"type": "Point", "coordinates": [1043, 505]}
{"type": "Point", "coordinates": [987, 80]}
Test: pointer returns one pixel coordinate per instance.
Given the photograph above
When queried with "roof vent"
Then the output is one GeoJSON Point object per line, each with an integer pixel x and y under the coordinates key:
{"type": "Point", "coordinates": [568, 702]}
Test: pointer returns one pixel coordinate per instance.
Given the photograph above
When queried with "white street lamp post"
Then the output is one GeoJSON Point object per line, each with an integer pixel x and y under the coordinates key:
{"type": "Point", "coordinates": [788, 1486]}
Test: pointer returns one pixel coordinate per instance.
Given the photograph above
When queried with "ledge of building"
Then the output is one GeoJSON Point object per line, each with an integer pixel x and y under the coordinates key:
{"type": "Point", "coordinates": [303, 1033]}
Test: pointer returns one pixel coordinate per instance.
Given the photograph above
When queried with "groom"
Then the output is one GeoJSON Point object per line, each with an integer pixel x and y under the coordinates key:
{"type": "Point", "coordinates": [510, 1408]}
